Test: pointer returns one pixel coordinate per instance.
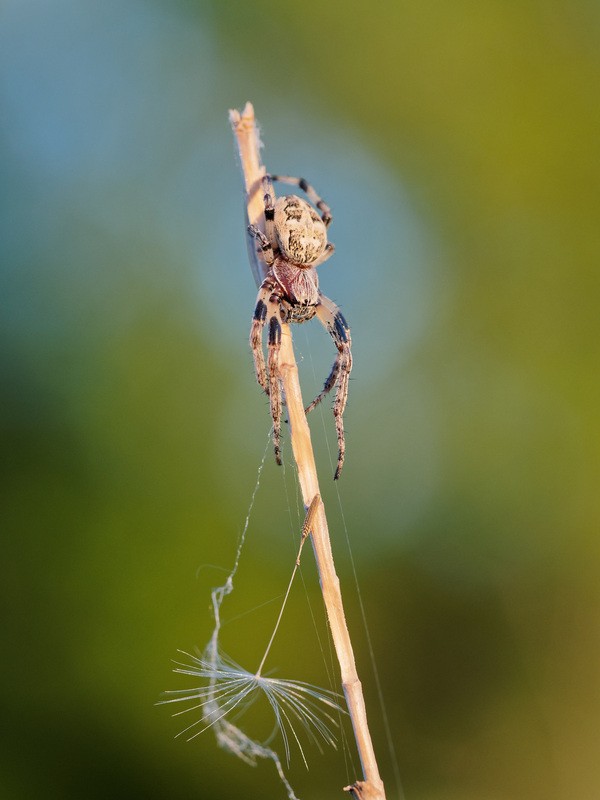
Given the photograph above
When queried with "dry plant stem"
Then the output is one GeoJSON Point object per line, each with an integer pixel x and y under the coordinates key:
{"type": "Point", "coordinates": [371, 788]}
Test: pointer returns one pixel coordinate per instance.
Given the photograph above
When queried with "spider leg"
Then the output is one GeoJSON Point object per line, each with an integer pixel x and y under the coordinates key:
{"type": "Point", "coordinates": [268, 310]}
{"type": "Point", "coordinates": [332, 319]}
{"type": "Point", "coordinates": [274, 345]}
{"type": "Point", "coordinates": [269, 201]}
{"type": "Point", "coordinates": [258, 322]}
{"type": "Point", "coordinates": [310, 193]}
{"type": "Point", "coordinates": [266, 248]}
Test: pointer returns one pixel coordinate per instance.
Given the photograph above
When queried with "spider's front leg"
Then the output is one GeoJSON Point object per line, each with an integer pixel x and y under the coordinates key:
{"type": "Point", "coordinates": [266, 248]}
{"type": "Point", "coordinates": [333, 320]}
{"type": "Point", "coordinates": [310, 193]}
{"type": "Point", "coordinates": [268, 311]}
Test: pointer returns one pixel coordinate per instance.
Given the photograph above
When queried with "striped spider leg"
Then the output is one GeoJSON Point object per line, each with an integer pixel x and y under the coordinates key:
{"type": "Point", "coordinates": [333, 321]}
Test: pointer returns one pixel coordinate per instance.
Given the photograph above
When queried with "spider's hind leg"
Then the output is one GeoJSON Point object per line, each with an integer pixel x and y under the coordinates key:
{"type": "Point", "coordinates": [310, 193]}
{"type": "Point", "coordinates": [332, 319]}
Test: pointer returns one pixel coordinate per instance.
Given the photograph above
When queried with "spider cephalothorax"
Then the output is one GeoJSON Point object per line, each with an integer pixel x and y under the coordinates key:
{"type": "Point", "coordinates": [294, 243]}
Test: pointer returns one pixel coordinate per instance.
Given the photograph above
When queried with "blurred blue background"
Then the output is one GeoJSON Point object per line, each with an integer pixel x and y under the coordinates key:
{"type": "Point", "coordinates": [458, 147]}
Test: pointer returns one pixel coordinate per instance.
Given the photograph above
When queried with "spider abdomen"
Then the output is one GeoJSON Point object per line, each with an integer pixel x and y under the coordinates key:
{"type": "Point", "coordinates": [300, 231]}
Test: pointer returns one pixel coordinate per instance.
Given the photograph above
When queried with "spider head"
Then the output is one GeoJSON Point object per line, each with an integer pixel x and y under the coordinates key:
{"type": "Point", "coordinates": [300, 231]}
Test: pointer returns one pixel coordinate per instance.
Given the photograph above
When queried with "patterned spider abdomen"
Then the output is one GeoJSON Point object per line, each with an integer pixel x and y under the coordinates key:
{"type": "Point", "coordinates": [300, 231]}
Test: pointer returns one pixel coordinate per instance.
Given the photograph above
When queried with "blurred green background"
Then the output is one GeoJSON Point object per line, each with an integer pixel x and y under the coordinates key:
{"type": "Point", "coordinates": [458, 145]}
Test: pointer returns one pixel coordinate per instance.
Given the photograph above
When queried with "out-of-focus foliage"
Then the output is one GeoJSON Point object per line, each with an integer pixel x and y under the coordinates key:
{"type": "Point", "coordinates": [457, 144]}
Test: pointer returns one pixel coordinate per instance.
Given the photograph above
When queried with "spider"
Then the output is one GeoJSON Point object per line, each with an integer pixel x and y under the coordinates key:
{"type": "Point", "coordinates": [294, 243]}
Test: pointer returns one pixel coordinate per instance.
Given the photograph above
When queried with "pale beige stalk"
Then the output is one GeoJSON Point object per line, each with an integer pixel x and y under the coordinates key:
{"type": "Point", "coordinates": [371, 788]}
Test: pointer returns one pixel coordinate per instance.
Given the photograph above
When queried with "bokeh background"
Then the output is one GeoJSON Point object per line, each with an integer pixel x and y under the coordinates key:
{"type": "Point", "coordinates": [458, 145]}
